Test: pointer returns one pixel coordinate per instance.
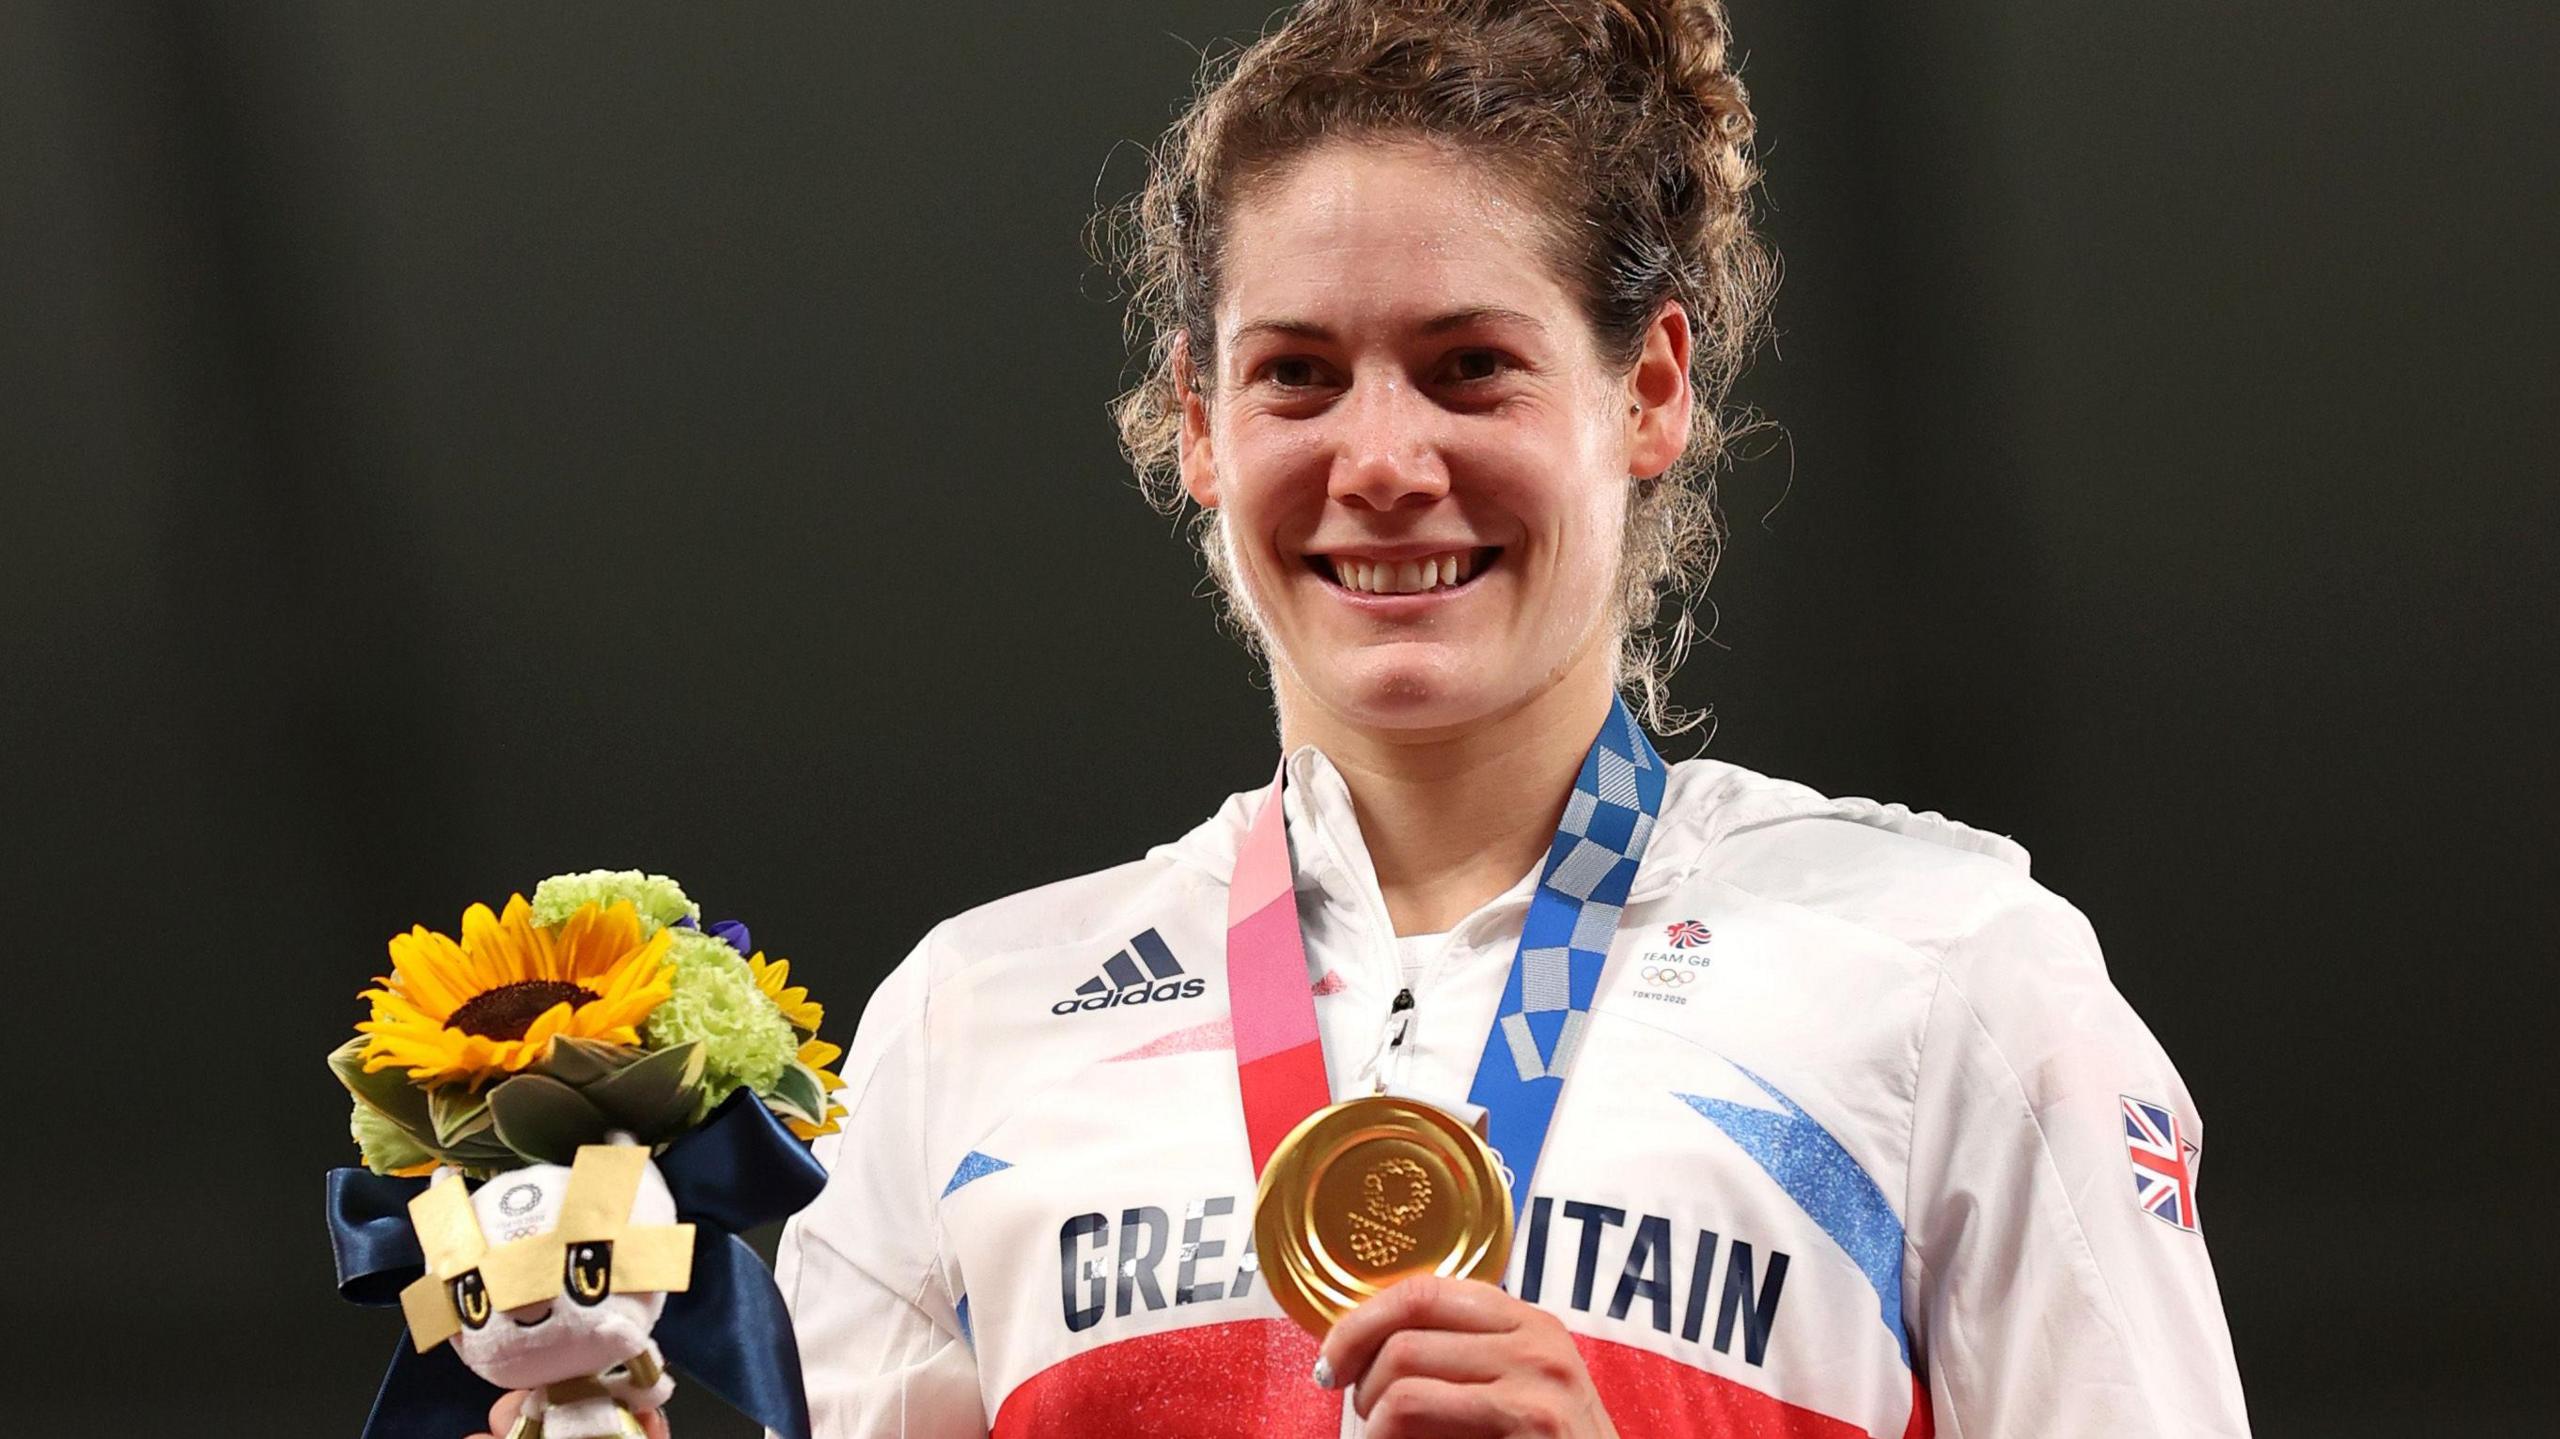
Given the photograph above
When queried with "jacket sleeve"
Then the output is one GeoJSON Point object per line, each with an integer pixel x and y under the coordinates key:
{"type": "Point", "coordinates": [881, 1342]}
{"type": "Point", "coordinates": [2056, 1289]}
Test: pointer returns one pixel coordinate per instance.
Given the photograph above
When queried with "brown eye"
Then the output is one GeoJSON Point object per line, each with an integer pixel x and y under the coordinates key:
{"type": "Point", "coordinates": [1474, 365]}
{"type": "Point", "coordinates": [471, 1299]}
{"type": "Point", "coordinates": [1293, 374]}
{"type": "Point", "coordinates": [589, 1272]}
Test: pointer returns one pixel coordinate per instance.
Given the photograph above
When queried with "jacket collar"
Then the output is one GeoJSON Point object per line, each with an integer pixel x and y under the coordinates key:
{"type": "Point", "coordinates": [1704, 803]}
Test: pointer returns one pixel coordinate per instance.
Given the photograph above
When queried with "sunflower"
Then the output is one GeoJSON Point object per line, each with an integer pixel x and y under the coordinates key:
{"type": "Point", "coordinates": [774, 978]}
{"type": "Point", "coordinates": [460, 1013]}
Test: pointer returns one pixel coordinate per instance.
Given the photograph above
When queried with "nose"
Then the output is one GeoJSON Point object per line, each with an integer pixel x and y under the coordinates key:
{"type": "Point", "coordinates": [1384, 454]}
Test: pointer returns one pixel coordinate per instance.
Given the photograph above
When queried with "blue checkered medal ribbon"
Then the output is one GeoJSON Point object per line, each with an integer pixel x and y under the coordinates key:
{"type": "Point", "coordinates": [1546, 1003]}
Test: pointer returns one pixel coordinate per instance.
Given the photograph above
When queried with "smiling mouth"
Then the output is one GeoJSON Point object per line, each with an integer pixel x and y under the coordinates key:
{"type": "Point", "coordinates": [531, 1323]}
{"type": "Point", "coordinates": [1423, 574]}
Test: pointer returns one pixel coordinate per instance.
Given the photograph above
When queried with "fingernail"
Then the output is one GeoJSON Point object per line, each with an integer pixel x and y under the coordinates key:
{"type": "Point", "coordinates": [1324, 1372]}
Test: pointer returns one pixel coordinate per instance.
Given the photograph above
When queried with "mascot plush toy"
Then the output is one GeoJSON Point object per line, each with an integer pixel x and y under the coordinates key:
{"type": "Point", "coordinates": [566, 1118]}
{"type": "Point", "coordinates": [549, 1279]}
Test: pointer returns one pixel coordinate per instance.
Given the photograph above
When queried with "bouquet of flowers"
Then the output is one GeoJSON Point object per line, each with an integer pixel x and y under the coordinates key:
{"type": "Point", "coordinates": [631, 1089]}
{"type": "Point", "coordinates": [601, 1004]}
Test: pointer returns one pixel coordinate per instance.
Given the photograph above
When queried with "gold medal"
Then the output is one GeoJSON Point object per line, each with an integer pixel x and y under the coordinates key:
{"type": "Point", "coordinates": [1372, 1190]}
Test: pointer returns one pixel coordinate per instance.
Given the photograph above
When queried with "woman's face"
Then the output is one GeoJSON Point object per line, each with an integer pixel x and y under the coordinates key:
{"type": "Point", "coordinates": [1420, 458]}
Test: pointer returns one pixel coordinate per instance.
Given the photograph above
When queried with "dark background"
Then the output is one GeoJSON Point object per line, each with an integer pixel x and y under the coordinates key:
{"type": "Point", "coordinates": [448, 445]}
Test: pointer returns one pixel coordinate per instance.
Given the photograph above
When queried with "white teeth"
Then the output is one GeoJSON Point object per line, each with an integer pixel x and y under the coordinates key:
{"type": "Point", "coordinates": [1404, 577]}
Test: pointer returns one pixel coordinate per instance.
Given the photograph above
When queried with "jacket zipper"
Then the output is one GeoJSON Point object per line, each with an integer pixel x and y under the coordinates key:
{"type": "Point", "coordinates": [1400, 1017]}
{"type": "Point", "coordinates": [1386, 1062]}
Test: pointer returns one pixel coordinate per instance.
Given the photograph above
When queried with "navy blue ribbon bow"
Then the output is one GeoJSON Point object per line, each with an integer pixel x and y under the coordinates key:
{"type": "Point", "coordinates": [727, 1332]}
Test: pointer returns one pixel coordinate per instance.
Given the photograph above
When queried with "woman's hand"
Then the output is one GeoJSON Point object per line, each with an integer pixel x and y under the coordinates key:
{"type": "Point", "coordinates": [1434, 1356]}
{"type": "Point", "coordinates": [502, 1417]}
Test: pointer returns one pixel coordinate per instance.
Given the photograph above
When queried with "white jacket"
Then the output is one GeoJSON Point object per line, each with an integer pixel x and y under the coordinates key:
{"type": "Point", "coordinates": [1861, 1142]}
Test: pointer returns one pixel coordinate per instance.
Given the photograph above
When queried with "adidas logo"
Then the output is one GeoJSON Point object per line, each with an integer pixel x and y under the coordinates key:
{"type": "Point", "coordinates": [1123, 982]}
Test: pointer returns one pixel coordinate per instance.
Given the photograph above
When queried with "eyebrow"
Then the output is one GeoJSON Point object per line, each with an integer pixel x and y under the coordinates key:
{"type": "Point", "coordinates": [1437, 325]}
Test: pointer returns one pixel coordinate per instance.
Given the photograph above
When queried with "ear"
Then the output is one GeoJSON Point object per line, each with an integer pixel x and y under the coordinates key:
{"type": "Point", "coordinates": [1199, 460]}
{"type": "Point", "coordinates": [1658, 394]}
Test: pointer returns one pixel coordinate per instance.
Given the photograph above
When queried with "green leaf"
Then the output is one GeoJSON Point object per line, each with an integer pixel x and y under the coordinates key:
{"type": "Point", "coordinates": [384, 1145]}
{"type": "Point", "coordinates": [545, 1120]}
{"type": "Point", "coordinates": [387, 1092]}
{"type": "Point", "coordinates": [798, 1092]}
{"type": "Point", "coordinates": [578, 1061]}
{"type": "Point", "coordinates": [456, 1115]}
{"type": "Point", "coordinates": [422, 1135]}
{"type": "Point", "coordinates": [480, 1157]}
{"type": "Point", "coordinates": [656, 1096]}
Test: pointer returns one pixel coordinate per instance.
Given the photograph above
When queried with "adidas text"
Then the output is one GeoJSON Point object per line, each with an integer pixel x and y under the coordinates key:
{"type": "Point", "coordinates": [1135, 994]}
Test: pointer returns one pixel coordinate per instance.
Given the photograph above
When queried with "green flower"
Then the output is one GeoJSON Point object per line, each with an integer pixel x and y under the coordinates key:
{"type": "Point", "coordinates": [717, 1004]}
{"type": "Point", "coordinates": [659, 900]}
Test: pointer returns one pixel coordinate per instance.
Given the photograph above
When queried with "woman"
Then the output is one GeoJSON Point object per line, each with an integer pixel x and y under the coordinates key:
{"type": "Point", "coordinates": [1857, 1139]}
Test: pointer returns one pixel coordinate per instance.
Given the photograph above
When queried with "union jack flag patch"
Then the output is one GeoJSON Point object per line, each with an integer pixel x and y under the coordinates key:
{"type": "Point", "coordinates": [2164, 1169]}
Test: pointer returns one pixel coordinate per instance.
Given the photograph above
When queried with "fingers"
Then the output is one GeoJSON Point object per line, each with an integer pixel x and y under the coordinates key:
{"type": "Point", "coordinates": [1435, 1357]}
{"type": "Point", "coordinates": [654, 1424]}
{"type": "Point", "coordinates": [1435, 1354]}
{"type": "Point", "coordinates": [1423, 1302]}
{"type": "Point", "coordinates": [1425, 1408]}
{"type": "Point", "coordinates": [502, 1415]}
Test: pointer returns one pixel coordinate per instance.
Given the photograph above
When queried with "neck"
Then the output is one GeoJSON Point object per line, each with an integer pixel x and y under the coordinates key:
{"type": "Point", "coordinates": [1453, 817]}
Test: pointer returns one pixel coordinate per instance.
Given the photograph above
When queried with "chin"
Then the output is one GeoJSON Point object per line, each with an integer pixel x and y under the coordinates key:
{"type": "Point", "coordinates": [1410, 693]}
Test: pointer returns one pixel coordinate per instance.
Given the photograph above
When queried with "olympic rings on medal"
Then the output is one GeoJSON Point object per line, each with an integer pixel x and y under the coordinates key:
{"type": "Point", "coordinates": [1668, 974]}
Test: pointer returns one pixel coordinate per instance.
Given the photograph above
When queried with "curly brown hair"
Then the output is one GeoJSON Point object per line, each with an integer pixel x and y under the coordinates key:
{"type": "Point", "coordinates": [1626, 118]}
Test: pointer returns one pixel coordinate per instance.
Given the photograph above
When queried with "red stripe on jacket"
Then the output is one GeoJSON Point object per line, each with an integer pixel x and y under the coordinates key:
{"type": "Point", "coordinates": [1249, 1378]}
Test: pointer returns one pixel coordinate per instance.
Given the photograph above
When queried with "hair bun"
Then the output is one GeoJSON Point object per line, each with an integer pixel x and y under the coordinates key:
{"type": "Point", "coordinates": [1684, 46]}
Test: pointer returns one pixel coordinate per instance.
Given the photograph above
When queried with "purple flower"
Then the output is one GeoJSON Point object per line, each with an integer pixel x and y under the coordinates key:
{"type": "Point", "coordinates": [735, 933]}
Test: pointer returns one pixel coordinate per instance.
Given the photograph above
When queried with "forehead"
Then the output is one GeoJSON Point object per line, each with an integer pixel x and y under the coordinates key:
{"type": "Point", "coordinates": [1386, 234]}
